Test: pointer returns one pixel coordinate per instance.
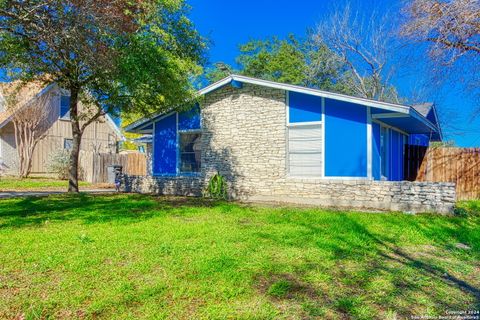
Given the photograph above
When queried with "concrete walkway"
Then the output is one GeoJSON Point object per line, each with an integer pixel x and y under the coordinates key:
{"type": "Point", "coordinates": [18, 194]}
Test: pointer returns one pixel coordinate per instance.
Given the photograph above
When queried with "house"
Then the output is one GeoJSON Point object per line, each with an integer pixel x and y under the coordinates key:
{"type": "Point", "coordinates": [100, 136]}
{"type": "Point", "coordinates": [279, 142]}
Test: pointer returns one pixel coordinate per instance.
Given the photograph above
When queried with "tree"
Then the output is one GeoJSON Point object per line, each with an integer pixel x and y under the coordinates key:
{"type": "Point", "coordinates": [451, 31]}
{"type": "Point", "coordinates": [219, 71]}
{"type": "Point", "coordinates": [30, 122]}
{"type": "Point", "coordinates": [284, 60]}
{"type": "Point", "coordinates": [451, 27]}
{"type": "Point", "coordinates": [273, 59]}
{"type": "Point", "coordinates": [112, 56]}
{"type": "Point", "coordinates": [363, 44]}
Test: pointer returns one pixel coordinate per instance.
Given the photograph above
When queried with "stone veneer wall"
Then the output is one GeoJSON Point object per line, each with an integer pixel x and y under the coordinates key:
{"type": "Point", "coordinates": [244, 139]}
{"type": "Point", "coordinates": [379, 195]}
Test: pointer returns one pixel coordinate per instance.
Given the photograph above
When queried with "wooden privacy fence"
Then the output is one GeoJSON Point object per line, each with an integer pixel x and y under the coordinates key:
{"type": "Point", "coordinates": [94, 165]}
{"type": "Point", "coordinates": [445, 164]}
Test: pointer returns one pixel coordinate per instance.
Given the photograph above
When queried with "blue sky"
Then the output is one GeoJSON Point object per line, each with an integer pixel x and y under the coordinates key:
{"type": "Point", "coordinates": [230, 23]}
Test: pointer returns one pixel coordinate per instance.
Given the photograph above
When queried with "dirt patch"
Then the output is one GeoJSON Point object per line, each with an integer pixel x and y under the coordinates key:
{"type": "Point", "coordinates": [285, 286]}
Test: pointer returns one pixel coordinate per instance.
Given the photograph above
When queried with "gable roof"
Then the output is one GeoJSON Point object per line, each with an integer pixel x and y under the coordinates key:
{"type": "Point", "coordinates": [429, 111]}
{"type": "Point", "coordinates": [25, 93]}
{"type": "Point", "coordinates": [423, 108]}
{"type": "Point", "coordinates": [236, 79]}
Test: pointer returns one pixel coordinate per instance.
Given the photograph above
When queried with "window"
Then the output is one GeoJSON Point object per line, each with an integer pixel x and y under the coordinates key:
{"type": "Point", "coordinates": [190, 152]}
{"type": "Point", "coordinates": [67, 144]}
{"type": "Point", "coordinates": [65, 107]}
{"type": "Point", "coordinates": [305, 155]}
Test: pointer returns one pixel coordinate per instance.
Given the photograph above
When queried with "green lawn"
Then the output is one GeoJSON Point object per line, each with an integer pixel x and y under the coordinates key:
{"type": "Point", "coordinates": [132, 256]}
{"type": "Point", "coordinates": [29, 184]}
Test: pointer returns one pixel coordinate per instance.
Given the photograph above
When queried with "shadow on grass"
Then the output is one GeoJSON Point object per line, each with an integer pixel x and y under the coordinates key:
{"type": "Point", "coordinates": [361, 257]}
{"type": "Point", "coordinates": [33, 211]}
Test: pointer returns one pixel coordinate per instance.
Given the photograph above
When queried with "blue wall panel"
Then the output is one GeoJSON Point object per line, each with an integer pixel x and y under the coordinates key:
{"type": "Point", "coordinates": [165, 146]}
{"type": "Point", "coordinates": [376, 157]}
{"type": "Point", "coordinates": [189, 120]}
{"type": "Point", "coordinates": [345, 139]}
{"type": "Point", "coordinates": [304, 108]}
{"type": "Point", "coordinates": [396, 156]}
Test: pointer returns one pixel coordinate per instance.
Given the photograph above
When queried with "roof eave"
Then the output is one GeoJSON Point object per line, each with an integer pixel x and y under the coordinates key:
{"type": "Point", "coordinates": [134, 127]}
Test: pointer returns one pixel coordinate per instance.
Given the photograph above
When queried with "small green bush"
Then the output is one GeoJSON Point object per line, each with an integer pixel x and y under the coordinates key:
{"type": "Point", "coordinates": [59, 163]}
{"type": "Point", "coordinates": [460, 212]}
{"type": "Point", "coordinates": [468, 208]}
{"type": "Point", "coordinates": [216, 188]}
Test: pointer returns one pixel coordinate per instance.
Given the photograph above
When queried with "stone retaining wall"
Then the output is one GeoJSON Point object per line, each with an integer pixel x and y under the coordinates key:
{"type": "Point", "coordinates": [361, 194]}
{"type": "Point", "coordinates": [177, 186]}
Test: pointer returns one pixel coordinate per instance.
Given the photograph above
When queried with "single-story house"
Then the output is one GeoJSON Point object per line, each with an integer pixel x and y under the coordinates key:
{"type": "Point", "coordinates": [280, 142]}
{"type": "Point", "coordinates": [102, 136]}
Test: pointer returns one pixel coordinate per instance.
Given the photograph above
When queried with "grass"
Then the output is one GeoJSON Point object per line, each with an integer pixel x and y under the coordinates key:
{"type": "Point", "coordinates": [133, 256]}
{"type": "Point", "coordinates": [34, 184]}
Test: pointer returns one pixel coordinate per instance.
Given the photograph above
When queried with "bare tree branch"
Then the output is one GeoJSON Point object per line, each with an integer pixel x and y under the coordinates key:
{"type": "Point", "coordinates": [31, 122]}
{"type": "Point", "coordinates": [364, 45]}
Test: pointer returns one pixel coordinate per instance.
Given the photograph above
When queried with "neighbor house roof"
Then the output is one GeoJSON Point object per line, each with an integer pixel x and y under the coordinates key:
{"type": "Point", "coordinates": [17, 94]}
{"type": "Point", "coordinates": [400, 110]}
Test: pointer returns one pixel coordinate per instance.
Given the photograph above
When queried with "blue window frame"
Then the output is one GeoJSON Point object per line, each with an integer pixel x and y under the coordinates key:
{"type": "Point", "coordinates": [65, 107]}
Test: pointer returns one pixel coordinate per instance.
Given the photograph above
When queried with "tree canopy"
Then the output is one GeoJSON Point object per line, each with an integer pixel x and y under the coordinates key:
{"type": "Point", "coordinates": [315, 62]}
{"type": "Point", "coordinates": [128, 56]}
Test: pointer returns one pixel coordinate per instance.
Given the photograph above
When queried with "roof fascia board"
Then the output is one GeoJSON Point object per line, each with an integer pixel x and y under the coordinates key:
{"type": "Point", "coordinates": [142, 123]}
{"type": "Point", "coordinates": [434, 107]}
{"type": "Point", "coordinates": [400, 109]}
{"type": "Point", "coordinates": [216, 85]}
{"type": "Point", "coordinates": [415, 114]}
{"type": "Point", "coordinates": [365, 102]}
{"type": "Point", "coordinates": [389, 115]}
{"type": "Point", "coordinates": [320, 93]}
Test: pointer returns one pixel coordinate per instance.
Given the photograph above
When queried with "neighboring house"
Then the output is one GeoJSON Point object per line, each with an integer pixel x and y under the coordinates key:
{"type": "Point", "coordinates": [274, 141]}
{"type": "Point", "coordinates": [101, 136]}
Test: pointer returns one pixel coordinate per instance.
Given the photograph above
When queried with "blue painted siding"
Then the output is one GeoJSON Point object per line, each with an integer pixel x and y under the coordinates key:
{"type": "Point", "coordinates": [396, 156]}
{"type": "Point", "coordinates": [376, 156]}
{"type": "Point", "coordinates": [345, 139]}
{"type": "Point", "coordinates": [189, 120]}
{"type": "Point", "coordinates": [419, 140]}
{"type": "Point", "coordinates": [165, 146]}
{"type": "Point", "coordinates": [304, 108]}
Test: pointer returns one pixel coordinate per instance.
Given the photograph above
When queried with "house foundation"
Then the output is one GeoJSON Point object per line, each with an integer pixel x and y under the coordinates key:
{"type": "Point", "coordinates": [406, 196]}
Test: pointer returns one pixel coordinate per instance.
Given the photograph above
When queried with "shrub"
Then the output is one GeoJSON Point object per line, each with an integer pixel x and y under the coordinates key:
{"type": "Point", "coordinates": [468, 208]}
{"type": "Point", "coordinates": [216, 188]}
{"type": "Point", "coordinates": [59, 163]}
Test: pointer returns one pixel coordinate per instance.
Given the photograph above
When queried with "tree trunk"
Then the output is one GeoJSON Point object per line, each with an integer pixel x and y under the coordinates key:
{"type": "Point", "coordinates": [77, 139]}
